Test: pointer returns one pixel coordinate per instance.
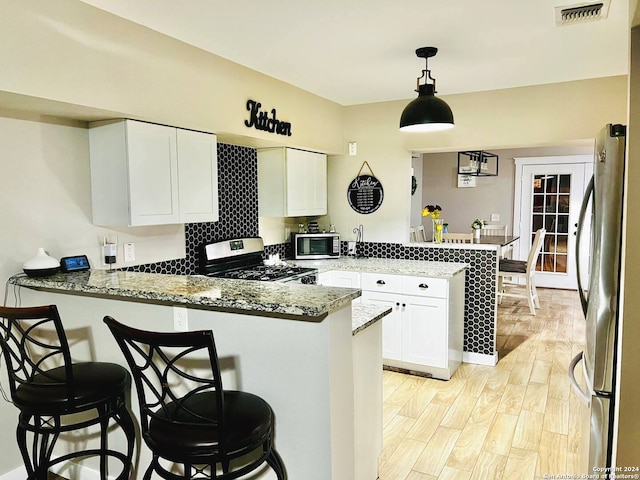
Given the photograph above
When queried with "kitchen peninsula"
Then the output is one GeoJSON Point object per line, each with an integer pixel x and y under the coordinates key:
{"type": "Point", "coordinates": [294, 345]}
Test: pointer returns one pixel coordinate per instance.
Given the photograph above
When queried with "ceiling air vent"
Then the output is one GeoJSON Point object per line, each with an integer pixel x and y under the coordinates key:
{"type": "Point", "coordinates": [581, 12]}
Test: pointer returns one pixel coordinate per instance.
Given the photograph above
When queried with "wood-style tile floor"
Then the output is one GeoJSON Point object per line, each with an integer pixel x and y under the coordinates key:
{"type": "Point", "coordinates": [517, 420]}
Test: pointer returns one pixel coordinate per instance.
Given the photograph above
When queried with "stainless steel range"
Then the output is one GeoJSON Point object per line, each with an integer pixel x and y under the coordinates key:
{"type": "Point", "coordinates": [243, 258]}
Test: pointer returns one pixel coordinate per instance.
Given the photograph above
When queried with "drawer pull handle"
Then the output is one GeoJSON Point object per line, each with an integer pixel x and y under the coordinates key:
{"type": "Point", "coordinates": [381, 282]}
{"type": "Point", "coordinates": [423, 285]}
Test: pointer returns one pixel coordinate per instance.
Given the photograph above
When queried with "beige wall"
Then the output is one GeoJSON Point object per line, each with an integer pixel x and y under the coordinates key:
{"type": "Point", "coordinates": [566, 114]}
{"type": "Point", "coordinates": [67, 56]}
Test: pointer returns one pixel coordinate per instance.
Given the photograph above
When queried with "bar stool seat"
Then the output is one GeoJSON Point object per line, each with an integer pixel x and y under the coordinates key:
{"type": "Point", "coordinates": [49, 390]}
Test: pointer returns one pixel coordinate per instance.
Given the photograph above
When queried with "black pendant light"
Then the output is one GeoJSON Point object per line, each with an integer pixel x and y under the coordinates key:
{"type": "Point", "coordinates": [427, 113]}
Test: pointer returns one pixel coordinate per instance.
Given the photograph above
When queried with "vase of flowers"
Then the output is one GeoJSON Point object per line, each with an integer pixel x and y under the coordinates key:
{"type": "Point", "coordinates": [434, 211]}
{"type": "Point", "coordinates": [476, 225]}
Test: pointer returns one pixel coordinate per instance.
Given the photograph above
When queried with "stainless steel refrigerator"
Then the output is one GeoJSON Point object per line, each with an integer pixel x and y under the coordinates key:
{"type": "Point", "coordinates": [600, 302]}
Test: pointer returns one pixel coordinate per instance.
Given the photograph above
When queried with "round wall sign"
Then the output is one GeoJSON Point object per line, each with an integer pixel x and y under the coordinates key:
{"type": "Point", "coordinates": [365, 194]}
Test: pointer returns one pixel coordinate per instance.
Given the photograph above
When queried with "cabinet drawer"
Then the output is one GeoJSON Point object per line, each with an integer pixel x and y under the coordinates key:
{"type": "Point", "coordinates": [381, 282]}
{"type": "Point", "coordinates": [424, 286]}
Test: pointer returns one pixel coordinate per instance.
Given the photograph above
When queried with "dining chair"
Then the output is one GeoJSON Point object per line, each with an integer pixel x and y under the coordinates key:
{"type": "Point", "coordinates": [412, 234]}
{"type": "Point", "coordinates": [420, 235]}
{"type": "Point", "coordinates": [511, 273]}
{"type": "Point", "coordinates": [502, 231]}
{"type": "Point", "coordinates": [57, 396]}
{"type": "Point", "coordinates": [187, 418]}
{"type": "Point", "coordinates": [490, 229]}
{"type": "Point", "coordinates": [457, 237]}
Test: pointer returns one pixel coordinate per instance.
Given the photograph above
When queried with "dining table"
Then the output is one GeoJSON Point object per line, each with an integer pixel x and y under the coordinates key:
{"type": "Point", "coordinates": [505, 242]}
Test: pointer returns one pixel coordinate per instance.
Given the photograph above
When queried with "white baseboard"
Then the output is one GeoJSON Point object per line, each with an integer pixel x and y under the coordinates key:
{"type": "Point", "coordinates": [480, 358]}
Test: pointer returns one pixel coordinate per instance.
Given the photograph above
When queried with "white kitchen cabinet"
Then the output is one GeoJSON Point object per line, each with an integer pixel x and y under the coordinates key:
{"type": "Point", "coordinates": [291, 183]}
{"type": "Point", "coordinates": [340, 278]}
{"type": "Point", "coordinates": [148, 174]}
{"type": "Point", "coordinates": [424, 332]}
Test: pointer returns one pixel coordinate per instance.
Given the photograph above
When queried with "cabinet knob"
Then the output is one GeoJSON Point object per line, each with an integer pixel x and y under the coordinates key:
{"type": "Point", "coordinates": [404, 305]}
{"type": "Point", "coordinates": [397, 304]}
{"type": "Point", "coordinates": [381, 282]}
{"type": "Point", "coordinates": [423, 285]}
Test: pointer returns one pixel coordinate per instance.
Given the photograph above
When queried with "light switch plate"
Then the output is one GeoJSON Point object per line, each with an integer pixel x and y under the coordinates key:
{"type": "Point", "coordinates": [495, 217]}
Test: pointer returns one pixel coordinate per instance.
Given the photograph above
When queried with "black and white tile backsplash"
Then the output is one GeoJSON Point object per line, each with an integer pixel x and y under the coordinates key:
{"type": "Point", "coordinates": [238, 210]}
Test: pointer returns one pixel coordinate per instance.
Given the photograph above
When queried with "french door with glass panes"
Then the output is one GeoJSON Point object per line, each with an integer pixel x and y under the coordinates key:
{"type": "Point", "coordinates": [550, 198]}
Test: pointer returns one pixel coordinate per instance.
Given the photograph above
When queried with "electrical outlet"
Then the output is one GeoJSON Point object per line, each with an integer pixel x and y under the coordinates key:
{"type": "Point", "coordinates": [129, 252]}
{"type": "Point", "coordinates": [180, 319]}
{"type": "Point", "coordinates": [495, 217]}
{"type": "Point", "coordinates": [351, 248]}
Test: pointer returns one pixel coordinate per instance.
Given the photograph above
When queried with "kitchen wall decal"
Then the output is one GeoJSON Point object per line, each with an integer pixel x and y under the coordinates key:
{"type": "Point", "coordinates": [365, 193]}
{"type": "Point", "coordinates": [260, 120]}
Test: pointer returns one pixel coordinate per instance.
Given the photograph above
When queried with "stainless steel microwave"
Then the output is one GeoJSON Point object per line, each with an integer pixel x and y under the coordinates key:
{"type": "Point", "coordinates": [315, 245]}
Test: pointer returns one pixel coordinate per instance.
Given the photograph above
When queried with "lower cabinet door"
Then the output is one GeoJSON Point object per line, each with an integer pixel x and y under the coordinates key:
{"type": "Point", "coordinates": [424, 331]}
{"type": "Point", "coordinates": [391, 324]}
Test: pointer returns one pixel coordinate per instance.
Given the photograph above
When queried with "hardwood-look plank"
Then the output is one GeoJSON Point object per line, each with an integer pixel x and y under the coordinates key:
{"type": "Point", "coordinates": [459, 413]}
{"type": "Point", "coordinates": [416, 404]}
{"type": "Point", "coordinates": [512, 399]}
{"type": "Point", "coordinates": [468, 447]}
{"type": "Point", "coordinates": [485, 410]}
{"type": "Point", "coordinates": [435, 455]}
{"type": "Point", "coordinates": [500, 435]}
{"type": "Point", "coordinates": [489, 466]}
{"type": "Point", "coordinates": [521, 465]}
{"type": "Point", "coordinates": [497, 381]}
{"type": "Point", "coordinates": [393, 435]}
{"type": "Point", "coordinates": [449, 473]}
{"type": "Point", "coordinates": [556, 416]}
{"type": "Point", "coordinates": [540, 372]}
{"type": "Point", "coordinates": [535, 397]}
{"type": "Point", "coordinates": [552, 454]}
{"type": "Point", "coordinates": [520, 373]}
{"type": "Point", "coordinates": [413, 475]}
{"type": "Point", "coordinates": [402, 460]}
{"type": "Point", "coordinates": [528, 430]}
{"type": "Point", "coordinates": [425, 426]}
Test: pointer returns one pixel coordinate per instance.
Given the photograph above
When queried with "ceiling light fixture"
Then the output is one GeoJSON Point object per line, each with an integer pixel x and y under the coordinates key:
{"type": "Point", "coordinates": [427, 113]}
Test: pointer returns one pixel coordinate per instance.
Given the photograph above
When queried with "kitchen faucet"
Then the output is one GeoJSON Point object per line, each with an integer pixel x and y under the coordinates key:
{"type": "Point", "coordinates": [359, 231]}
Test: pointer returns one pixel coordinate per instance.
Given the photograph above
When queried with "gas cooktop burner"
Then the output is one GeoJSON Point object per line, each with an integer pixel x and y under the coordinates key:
{"type": "Point", "coordinates": [264, 273]}
{"type": "Point", "coordinates": [241, 259]}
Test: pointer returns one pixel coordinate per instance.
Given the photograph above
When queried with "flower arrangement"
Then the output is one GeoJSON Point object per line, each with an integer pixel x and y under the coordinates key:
{"type": "Point", "coordinates": [478, 223]}
{"type": "Point", "coordinates": [432, 211]}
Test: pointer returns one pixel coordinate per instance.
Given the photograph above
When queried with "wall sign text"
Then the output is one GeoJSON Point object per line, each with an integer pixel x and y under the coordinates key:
{"type": "Point", "coordinates": [261, 120]}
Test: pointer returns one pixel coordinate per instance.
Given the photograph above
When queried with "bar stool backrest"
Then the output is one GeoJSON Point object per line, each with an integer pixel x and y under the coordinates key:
{"type": "Point", "coordinates": [33, 343]}
{"type": "Point", "coordinates": [169, 369]}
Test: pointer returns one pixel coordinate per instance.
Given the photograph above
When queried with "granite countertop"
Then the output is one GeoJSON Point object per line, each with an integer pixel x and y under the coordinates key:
{"type": "Point", "coordinates": [418, 268]}
{"type": "Point", "coordinates": [297, 301]}
{"type": "Point", "coordinates": [365, 314]}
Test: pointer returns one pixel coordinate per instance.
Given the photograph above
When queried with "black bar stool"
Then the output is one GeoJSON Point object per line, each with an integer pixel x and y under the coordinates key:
{"type": "Point", "coordinates": [187, 418]}
{"type": "Point", "coordinates": [47, 387]}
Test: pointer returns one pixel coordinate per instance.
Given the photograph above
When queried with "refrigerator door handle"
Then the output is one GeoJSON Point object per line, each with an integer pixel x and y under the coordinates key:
{"type": "Point", "coordinates": [583, 210]}
{"type": "Point", "coordinates": [585, 397]}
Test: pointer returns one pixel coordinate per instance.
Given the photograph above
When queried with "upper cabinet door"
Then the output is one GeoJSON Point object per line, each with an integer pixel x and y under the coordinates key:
{"type": "Point", "coordinates": [197, 176]}
{"type": "Point", "coordinates": [291, 183]}
{"type": "Point", "coordinates": [153, 174]}
{"type": "Point", "coordinates": [306, 183]}
{"type": "Point", "coordinates": [147, 174]}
